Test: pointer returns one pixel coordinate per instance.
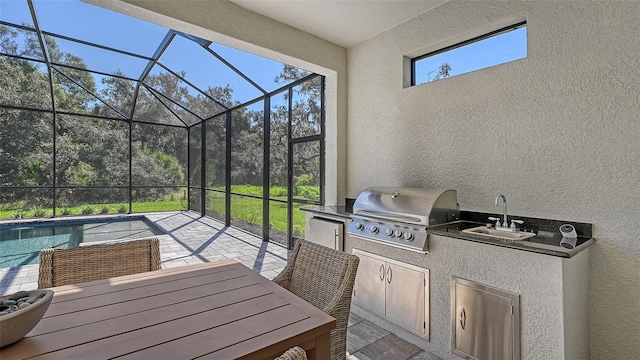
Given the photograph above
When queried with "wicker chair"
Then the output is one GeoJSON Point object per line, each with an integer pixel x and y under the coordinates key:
{"type": "Point", "coordinates": [323, 277]}
{"type": "Point", "coordinates": [100, 261]}
{"type": "Point", "coordinates": [295, 353]}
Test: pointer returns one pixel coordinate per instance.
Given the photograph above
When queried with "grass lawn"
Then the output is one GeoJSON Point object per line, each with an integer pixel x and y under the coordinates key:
{"type": "Point", "coordinates": [103, 209]}
{"type": "Point", "coordinates": [242, 208]}
{"type": "Point", "coordinates": [250, 210]}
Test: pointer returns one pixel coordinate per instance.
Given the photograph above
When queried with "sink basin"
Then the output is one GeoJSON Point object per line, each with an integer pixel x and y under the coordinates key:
{"type": "Point", "coordinates": [501, 234]}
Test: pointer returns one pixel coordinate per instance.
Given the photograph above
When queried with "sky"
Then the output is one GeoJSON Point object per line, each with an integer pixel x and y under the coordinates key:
{"type": "Point", "coordinates": [492, 51]}
{"type": "Point", "coordinates": [97, 25]}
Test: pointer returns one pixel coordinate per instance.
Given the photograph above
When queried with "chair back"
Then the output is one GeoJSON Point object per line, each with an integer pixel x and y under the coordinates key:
{"type": "Point", "coordinates": [98, 261]}
{"type": "Point", "coordinates": [323, 277]}
{"type": "Point", "coordinates": [318, 273]}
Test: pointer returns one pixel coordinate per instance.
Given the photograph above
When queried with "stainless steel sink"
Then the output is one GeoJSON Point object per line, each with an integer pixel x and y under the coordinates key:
{"type": "Point", "coordinates": [501, 234]}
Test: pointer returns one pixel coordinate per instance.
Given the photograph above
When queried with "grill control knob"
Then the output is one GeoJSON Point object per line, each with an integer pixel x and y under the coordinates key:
{"type": "Point", "coordinates": [359, 226]}
{"type": "Point", "coordinates": [408, 236]}
{"type": "Point", "coordinates": [398, 233]}
{"type": "Point", "coordinates": [373, 229]}
{"type": "Point", "coordinates": [389, 232]}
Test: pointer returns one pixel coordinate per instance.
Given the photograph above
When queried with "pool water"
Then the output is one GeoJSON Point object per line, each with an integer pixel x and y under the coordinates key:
{"type": "Point", "coordinates": [21, 244]}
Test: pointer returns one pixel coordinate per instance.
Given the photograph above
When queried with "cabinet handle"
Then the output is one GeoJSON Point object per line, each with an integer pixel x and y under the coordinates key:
{"type": "Point", "coordinates": [463, 318]}
{"type": "Point", "coordinates": [389, 274]}
{"type": "Point", "coordinates": [382, 272]}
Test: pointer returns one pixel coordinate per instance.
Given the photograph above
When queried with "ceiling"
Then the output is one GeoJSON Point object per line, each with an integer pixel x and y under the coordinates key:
{"type": "Point", "coordinates": [343, 22]}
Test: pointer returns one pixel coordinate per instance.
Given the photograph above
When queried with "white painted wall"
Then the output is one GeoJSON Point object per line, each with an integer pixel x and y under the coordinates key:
{"type": "Point", "coordinates": [229, 24]}
{"type": "Point", "coordinates": [558, 132]}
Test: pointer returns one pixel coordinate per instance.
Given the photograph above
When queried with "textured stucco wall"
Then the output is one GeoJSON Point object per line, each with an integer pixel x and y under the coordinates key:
{"type": "Point", "coordinates": [536, 278]}
{"type": "Point", "coordinates": [229, 24]}
{"type": "Point", "coordinates": [575, 300]}
{"type": "Point", "coordinates": [557, 132]}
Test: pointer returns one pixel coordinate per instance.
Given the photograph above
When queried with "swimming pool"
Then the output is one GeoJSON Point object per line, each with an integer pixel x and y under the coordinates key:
{"type": "Point", "coordinates": [21, 243]}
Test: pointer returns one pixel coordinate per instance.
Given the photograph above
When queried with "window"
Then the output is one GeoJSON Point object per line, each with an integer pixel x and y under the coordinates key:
{"type": "Point", "coordinates": [497, 47]}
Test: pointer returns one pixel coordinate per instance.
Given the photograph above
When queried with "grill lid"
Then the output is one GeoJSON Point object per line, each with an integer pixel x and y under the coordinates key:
{"type": "Point", "coordinates": [415, 206]}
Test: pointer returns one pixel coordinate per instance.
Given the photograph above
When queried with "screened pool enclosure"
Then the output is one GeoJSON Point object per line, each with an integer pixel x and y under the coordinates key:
{"type": "Point", "coordinates": [101, 113]}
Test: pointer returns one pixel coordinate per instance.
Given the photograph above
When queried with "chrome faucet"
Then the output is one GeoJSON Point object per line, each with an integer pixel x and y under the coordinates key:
{"type": "Point", "coordinates": [505, 223]}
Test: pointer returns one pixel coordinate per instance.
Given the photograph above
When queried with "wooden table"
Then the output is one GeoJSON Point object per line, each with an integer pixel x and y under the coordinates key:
{"type": "Point", "coordinates": [220, 310]}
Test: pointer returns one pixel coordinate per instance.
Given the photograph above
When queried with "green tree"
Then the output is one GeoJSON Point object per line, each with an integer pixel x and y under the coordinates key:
{"type": "Point", "coordinates": [93, 151]}
{"type": "Point", "coordinates": [306, 115]}
{"type": "Point", "coordinates": [441, 73]}
{"type": "Point", "coordinates": [247, 133]}
{"type": "Point", "coordinates": [26, 146]}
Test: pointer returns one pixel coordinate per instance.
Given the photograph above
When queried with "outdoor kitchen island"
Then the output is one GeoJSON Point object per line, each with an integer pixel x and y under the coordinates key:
{"type": "Point", "coordinates": [551, 283]}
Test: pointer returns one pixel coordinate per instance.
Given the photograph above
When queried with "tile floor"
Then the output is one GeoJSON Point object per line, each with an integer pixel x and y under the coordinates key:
{"type": "Point", "coordinates": [191, 239]}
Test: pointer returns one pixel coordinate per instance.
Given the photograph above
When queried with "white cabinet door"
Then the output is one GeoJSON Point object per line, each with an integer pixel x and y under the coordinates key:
{"type": "Point", "coordinates": [369, 287]}
{"type": "Point", "coordinates": [405, 296]}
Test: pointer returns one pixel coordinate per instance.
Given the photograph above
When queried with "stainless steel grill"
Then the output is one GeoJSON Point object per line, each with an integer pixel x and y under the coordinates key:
{"type": "Point", "coordinates": [400, 216]}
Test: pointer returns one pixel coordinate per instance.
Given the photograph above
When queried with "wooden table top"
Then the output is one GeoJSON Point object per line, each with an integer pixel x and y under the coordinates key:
{"type": "Point", "coordinates": [220, 310]}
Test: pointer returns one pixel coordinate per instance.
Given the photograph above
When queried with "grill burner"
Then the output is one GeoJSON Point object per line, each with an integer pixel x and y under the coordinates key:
{"type": "Point", "coordinates": [400, 216]}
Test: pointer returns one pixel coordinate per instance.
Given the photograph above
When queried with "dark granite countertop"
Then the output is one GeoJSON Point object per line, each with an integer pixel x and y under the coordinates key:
{"type": "Point", "coordinates": [336, 210]}
{"type": "Point", "coordinates": [545, 242]}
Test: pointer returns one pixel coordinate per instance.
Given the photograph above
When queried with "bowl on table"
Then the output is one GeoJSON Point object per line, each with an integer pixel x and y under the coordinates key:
{"type": "Point", "coordinates": [17, 320]}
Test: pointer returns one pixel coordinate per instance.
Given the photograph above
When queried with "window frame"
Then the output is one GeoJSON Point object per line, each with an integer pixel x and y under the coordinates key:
{"type": "Point", "coordinates": [479, 38]}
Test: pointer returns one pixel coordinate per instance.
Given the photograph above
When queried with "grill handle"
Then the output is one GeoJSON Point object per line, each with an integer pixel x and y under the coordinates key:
{"type": "Point", "coordinates": [388, 216]}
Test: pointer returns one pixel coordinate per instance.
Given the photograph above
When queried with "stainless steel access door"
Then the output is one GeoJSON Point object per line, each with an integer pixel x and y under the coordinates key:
{"type": "Point", "coordinates": [395, 290]}
{"type": "Point", "coordinates": [369, 287]}
{"type": "Point", "coordinates": [405, 296]}
{"type": "Point", "coordinates": [326, 232]}
{"type": "Point", "coordinates": [485, 322]}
